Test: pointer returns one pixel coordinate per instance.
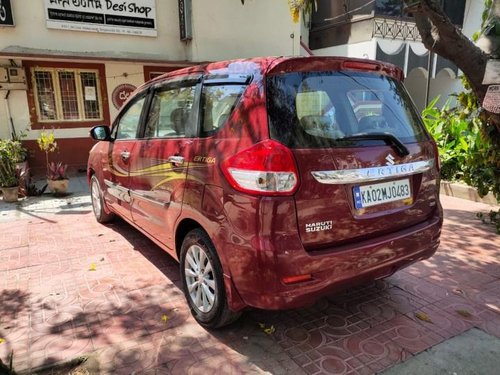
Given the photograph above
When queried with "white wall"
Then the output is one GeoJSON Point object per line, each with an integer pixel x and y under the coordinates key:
{"type": "Point", "coordinates": [443, 85]}
{"type": "Point", "coordinates": [304, 32]}
{"type": "Point", "coordinates": [222, 29]}
{"type": "Point", "coordinates": [18, 108]}
{"type": "Point", "coordinates": [415, 83]}
{"type": "Point", "coordinates": [31, 31]}
{"type": "Point", "coordinates": [226, 29]}
{"type": "Point", "coordinates": [118, 73]}
{"type": "Point", "coordinates": [4, 121]}
{"type": "Point", "coordinates": [365, 50]}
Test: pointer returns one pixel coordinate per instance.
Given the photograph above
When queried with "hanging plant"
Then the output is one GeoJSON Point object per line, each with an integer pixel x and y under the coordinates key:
{"type": "Point", "coordinates": [296, 6]}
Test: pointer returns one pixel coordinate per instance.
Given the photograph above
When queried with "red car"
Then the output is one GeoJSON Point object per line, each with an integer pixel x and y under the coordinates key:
{"type": "Point", "coordinates": [266, 181]}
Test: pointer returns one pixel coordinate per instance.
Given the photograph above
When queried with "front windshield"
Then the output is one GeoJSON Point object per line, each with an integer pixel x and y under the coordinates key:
{"type": "Point", "coordinates": [319, 109]}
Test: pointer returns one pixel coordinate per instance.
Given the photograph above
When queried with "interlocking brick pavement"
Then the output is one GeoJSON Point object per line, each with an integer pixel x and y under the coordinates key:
{"type": "Point", "coordinates": [130, 310]}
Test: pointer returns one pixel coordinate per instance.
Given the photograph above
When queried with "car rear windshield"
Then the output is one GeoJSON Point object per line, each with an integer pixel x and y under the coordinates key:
{"type": "Point", "coordinates": [324, 109]}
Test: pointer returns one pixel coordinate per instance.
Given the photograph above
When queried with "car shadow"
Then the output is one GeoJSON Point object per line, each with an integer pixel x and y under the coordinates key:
{"type": "Point", "coordinates": [180, 343]}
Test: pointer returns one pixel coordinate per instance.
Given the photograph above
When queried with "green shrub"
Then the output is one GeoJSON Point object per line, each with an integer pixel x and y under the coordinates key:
{"type": "Point", "coordinates": [465, 143]}
{"type": "Point", "coordinates": [10, 152]}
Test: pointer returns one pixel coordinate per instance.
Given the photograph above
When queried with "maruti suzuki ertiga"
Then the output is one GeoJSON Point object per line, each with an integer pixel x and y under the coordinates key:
{"type": "Point", "coordinates": [273, 181]}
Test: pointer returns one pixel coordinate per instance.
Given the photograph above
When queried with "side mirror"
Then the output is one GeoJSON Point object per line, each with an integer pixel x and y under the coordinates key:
{"type": "Point", "coordinates": [100, 133]}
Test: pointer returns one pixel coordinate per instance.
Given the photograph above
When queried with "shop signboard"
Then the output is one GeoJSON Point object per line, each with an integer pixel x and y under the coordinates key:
{"type": "Point", "coordinates": [121, 93]}
{"type": "Point", "coordinates": [136, 17]}
{"type": "Point", "coordinates": [6, 17]}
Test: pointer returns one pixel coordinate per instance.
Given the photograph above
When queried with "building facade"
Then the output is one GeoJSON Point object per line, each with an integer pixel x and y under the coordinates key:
{"type": "Point", "coordinates": [67, 65]}
{"type": "Point", "coordinates": [383, 30]}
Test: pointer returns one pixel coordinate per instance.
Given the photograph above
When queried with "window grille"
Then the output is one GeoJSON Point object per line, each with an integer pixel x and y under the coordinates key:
{"type": "Point", "coordinates": [67, 94]}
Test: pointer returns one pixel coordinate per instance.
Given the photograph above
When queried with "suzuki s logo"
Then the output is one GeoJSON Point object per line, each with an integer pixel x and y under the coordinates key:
{"type": "Point", "coordinates": [390, 159]}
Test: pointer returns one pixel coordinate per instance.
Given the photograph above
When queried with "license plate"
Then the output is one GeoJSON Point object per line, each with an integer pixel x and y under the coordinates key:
{"type": "Point", "coordinates": [371, 195]}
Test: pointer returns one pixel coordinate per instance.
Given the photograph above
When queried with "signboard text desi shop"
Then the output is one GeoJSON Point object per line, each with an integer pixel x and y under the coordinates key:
{"type": "Point", "coordinates": [137, 17]}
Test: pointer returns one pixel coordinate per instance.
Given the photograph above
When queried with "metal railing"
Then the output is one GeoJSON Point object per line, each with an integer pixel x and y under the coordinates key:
{"type": "Point", "coordinates": [395, 29]}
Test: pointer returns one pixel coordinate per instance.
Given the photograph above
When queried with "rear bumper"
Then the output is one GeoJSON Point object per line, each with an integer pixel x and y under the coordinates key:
{"type": "Point", "coordinates": [336, 268]}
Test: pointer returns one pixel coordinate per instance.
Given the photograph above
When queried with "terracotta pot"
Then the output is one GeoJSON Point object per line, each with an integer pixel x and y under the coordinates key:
{"type": "Point", "coordinates": [10, 194]}
{"type": "Point", "coordinates": [58, 186]}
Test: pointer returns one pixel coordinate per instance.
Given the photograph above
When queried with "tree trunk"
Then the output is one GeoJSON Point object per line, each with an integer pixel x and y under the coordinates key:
{"type": "Point", "coordinates": [442, 37]}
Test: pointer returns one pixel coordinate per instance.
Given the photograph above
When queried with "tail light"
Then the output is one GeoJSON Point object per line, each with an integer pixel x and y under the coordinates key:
{"type": "Point", "coordinates": [266, 168]}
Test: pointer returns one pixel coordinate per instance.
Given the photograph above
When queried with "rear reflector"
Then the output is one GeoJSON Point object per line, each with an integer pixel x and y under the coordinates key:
{"type": "Point", "coordinates": [296, 279]}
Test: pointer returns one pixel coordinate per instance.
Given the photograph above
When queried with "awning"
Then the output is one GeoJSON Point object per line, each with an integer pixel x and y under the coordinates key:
{"type": "Point", "coordinates": [414, 61]}
{"type": "Point", "coordinates": [19, 52]}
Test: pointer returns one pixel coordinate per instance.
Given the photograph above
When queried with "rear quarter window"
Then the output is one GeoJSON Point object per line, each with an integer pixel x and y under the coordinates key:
{"type": "Point", "coordinates": [319, 109]}
{"type": "Point", "coordinates": [217, 102]}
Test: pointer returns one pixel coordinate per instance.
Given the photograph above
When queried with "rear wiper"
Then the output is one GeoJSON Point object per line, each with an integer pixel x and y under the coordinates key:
{"type": "Point", "coordinates": [388, 138]}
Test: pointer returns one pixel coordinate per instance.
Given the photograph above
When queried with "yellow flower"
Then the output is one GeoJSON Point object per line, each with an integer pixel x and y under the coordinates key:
{"type": "Point", "coordinates": [269, 330]}
{"type": "Point", "coordinates": [295, 7]}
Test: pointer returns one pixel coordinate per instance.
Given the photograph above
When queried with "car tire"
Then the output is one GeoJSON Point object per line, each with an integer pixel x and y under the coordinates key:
{"type": "Point", "coordinates": [98, 202]}
{"type": "Point", "coordinates": [203, 283]}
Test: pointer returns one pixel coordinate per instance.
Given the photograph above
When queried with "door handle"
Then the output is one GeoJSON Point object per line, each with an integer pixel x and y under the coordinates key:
{"type": "Point", "coordinates": [125, 155]}
{"type": "Point", "coordinates": [176, 160]}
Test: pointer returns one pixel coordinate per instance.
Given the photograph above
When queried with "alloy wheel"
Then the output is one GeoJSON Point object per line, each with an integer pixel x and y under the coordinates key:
{"type": "Point", "coordinates": [96, 198]}
{"type": "Point", "coordinates": [200, 282]}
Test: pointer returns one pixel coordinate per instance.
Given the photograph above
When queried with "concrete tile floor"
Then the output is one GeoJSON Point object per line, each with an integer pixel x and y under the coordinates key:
{"type": "Point", "coordinates": [131, 312]}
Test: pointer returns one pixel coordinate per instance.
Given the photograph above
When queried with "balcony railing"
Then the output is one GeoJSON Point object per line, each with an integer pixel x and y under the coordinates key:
{"type": "Point", "coordinates": [395, 29]}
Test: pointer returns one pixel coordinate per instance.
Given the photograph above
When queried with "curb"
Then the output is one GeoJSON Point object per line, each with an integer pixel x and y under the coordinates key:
{"type": "Point", "coordinates": [466, 192]}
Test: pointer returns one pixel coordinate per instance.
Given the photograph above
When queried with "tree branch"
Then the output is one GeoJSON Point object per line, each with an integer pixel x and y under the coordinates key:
{"type": "Point", "coordinates": [442, 37]}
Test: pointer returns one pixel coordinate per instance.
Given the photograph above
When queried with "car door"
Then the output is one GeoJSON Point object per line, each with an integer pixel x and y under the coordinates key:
{"type": "Point", "coordinates": [158, 169]}
{"type": "Point", "coordinates": [120, 151]}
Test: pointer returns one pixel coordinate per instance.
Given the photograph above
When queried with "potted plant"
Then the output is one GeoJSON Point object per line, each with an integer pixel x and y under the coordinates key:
{"type": "Point", "coordinates": [20, 155]}
{"type": "Point", "coordinates": [56, 178]}
{"type": "Point", "coordinates": [9, 182]}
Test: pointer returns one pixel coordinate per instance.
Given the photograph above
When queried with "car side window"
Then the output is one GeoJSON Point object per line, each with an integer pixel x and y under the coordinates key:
{"type": "Point", "coordinates": [170, 113]}
{"type": "Point", "coordinates": [218, 101]}
{"type": "Point", "coordinates": [129, 122]}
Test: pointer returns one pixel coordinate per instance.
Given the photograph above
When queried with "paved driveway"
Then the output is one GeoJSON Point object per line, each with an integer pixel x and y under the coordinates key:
{"type": "Point", "coordinates": [69, 287]}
